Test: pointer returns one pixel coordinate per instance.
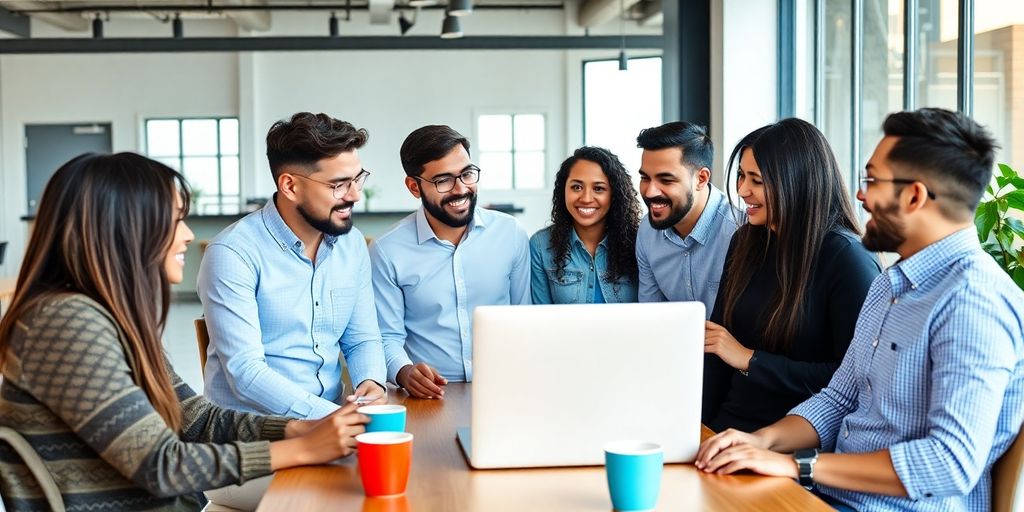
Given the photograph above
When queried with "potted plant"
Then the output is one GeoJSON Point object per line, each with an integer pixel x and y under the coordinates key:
{"type": "Point", "coordinates": [1000, 222]}
{"type": "Point", "coordinates": [368, 194]}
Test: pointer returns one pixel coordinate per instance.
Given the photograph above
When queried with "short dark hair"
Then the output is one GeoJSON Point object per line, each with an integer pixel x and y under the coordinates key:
{"type": "Point", "coordinates": [307, 138]}
{"type": "Point", "coordinates": [951, 151]}
{"type": "Point", "coordinates": [429, 143]}
{"type": "Point", "coordinates": [692, 139]}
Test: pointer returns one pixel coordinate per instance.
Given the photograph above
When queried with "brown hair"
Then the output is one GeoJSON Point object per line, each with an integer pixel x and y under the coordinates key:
{"type": "Point", "coordinates": [429, 143]}
{"type": "Point", "coordinates": [308, 138]}
{"type": "Point", "coordinates": [104, 227]}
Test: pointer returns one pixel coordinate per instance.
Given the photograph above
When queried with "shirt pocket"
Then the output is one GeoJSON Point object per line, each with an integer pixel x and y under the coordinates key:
{"type": "Point", "coordinates": [566, 288]}
{"type": "Point", "coordinates": [343, 303]}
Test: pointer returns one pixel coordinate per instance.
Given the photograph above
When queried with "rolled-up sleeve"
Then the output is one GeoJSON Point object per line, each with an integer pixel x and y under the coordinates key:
{"type": "Point", "coordinates": [826, 409]}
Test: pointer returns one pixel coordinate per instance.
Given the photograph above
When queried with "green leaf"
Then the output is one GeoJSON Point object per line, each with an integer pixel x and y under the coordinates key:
{"type": "Point", "coordinates": [1015, 225]}
{"type": "Point", "coordinates": [1005, 238]}
{"type": "Point", "coordinates": [1015, 199]}
{"type": "Point", "coordinates": [1002, 181]}
{"type": "Point", "coordinates": [1018, 183]}
{"type": "Point", "coordinates": [985, 218]}
{"type": "Point", "coordinates": [1018, 277]}
{"type": "Point", "coordinates": [1007, 171]}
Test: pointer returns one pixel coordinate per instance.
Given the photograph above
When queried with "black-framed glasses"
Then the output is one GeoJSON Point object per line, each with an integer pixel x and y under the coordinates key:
{"type": "Point", "coordinates": [342, 187]}
{"type": "Point", "coordinates": [446, 182]}
{"type": "Point", "coordinates": [867, 180]}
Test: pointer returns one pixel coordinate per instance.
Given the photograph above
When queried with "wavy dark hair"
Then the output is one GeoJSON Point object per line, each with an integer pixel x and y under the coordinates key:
{"type": "Point", "coordinates": [307, 138]}
{"type": "Point", "coordinates": [805, 198]}
{"type": "Point", "coordinates": [104, 227]}
{"type": "Point", "coordinates": [620, 224]}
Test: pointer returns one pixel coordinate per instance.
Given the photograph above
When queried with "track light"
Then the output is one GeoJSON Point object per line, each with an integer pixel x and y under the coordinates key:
{"type": "Point", "coordinates": [333, 25]}
{"type": "Point", "coordinates": [404, 24]}
{"type": "Point", "coordinates": [97, 27]}
{"type": "Point", "coordinates": [460, 7]}
{"type": "Point", "coordinates": [451, 28]}
{"type": "Point", "coordinates": [177, 27]}
{"type": "Point", "coordinates": [422, 3]}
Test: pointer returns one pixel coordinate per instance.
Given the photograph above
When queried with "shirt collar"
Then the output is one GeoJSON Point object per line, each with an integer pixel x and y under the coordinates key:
{"type": "Point", "coordinates": [424, 232]}
{"type": "Point", "coordinates": [283, 235]}
{"type": "Point", "coordinates": [929, 261]}
{"type": "Point", "coordinates": [702, 231]}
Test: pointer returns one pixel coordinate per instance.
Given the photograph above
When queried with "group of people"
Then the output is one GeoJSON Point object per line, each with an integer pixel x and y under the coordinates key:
{"type": "Point", "coordinates": [880, 389]}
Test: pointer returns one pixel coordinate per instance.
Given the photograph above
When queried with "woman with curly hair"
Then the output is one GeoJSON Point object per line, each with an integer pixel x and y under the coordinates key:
{"type": "Point", "coordinates": [587, 254]}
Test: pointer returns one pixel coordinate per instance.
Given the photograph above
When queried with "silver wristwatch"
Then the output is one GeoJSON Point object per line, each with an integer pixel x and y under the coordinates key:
{"type": "Point", "coordinates": [805, 460]}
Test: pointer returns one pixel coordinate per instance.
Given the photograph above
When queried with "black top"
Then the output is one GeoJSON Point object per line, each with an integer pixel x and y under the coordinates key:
{"type": "Point", "coordinates": [777, 382]}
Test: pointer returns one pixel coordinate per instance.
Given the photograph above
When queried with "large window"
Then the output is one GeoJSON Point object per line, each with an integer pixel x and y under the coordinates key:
{"type": "Point", "coordinates": [206, 152]}
{"type": "Point", "coordinates": [512, 149]}
{"type": "Point", "coordinates": [618, 104]}
{"type": "Point", "coordinates": [897, 65]}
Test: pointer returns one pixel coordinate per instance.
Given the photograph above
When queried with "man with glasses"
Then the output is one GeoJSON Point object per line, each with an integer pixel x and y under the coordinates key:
{"type": "Point", "coordinates": [435, 266]}
{"type": "Point", "coordinates": [286, 290]}
{"type": "Point", "coordinates": [931, 392]}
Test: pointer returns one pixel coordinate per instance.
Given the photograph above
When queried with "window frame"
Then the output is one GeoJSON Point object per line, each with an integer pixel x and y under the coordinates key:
{"type": "Point", "coordinates": [513, 112]}
{"type": "Point", "coordinates": [218, 156]}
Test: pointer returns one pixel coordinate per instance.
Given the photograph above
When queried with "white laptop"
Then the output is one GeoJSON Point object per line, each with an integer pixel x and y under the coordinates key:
{"type": "Point", "coordinates": [553, 384]}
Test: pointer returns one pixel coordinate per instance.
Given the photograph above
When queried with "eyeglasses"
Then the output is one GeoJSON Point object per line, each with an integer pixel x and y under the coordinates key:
{"type": "Point", "coordinates": [446, 182]}
{"type": "Point", "coordinates": [867, 180]}
{"type": "Point", "coordinates": [342, 187]}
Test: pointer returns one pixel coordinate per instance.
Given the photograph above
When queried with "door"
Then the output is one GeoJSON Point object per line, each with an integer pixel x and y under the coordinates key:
{"type": "Point", "coordinates": [48, 146]}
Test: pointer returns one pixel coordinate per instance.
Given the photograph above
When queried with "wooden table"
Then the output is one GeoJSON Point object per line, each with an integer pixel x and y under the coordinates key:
{"type": "Point", "coordinates": [441, 479]}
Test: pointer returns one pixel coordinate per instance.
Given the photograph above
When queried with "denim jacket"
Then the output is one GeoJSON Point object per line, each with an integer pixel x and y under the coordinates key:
{"type": "Point", "coordinates": [582, 273]}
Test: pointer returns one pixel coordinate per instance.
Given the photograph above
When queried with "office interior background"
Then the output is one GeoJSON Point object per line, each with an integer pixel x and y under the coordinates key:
{"type": "Point", "coordinates": [528, 82]}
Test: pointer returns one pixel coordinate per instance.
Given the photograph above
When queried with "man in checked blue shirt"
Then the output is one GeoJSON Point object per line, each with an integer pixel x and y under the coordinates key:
{"type": "Point", "coordinates": [286, 290]}
{"type": "Point", "coordinates": [931, 392]}
{"type": "Point", "coordinates": [435, 266]}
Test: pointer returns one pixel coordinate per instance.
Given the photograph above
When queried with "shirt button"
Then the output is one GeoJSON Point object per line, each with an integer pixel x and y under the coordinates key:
{"type": "Point", "coordinates": [874, 343]}
{"type": "Point", "coordinates": [686, 254]}
{"type": "Point", "coordinates": [895, 301]}
{"type": "Point", "coordinates": [869, 386]}
{"type": "Point", "coordinates": [846, 434]}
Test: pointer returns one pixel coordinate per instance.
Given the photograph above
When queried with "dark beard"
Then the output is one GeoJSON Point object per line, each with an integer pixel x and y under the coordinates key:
{"type": "Point", "coordinates": [888, 232]}
{"type": "Point", "coordinates": [439, 213]}
{"type": "Point", "coordinates": [675, 215]}
{"type": "Point", "coordinates": [325, 225]}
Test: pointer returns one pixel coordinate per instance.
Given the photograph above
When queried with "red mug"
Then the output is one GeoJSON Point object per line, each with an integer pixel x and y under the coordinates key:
{"type": "Point", "coordinates": [384, 461]}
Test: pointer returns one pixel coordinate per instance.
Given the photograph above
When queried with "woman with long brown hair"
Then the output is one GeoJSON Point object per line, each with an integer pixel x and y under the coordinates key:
{"type": "Point", "coordinates": [794, 281]}
{"type": "Point", "coordinates": [85, 380]}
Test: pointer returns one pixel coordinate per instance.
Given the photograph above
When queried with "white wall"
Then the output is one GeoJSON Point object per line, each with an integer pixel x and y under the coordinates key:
{"type": "Point", "coordinates": [388, 92]}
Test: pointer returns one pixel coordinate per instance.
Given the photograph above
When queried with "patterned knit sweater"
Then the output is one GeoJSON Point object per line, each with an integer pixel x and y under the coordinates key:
{"type": "Point", "coordinates": [68, 390]}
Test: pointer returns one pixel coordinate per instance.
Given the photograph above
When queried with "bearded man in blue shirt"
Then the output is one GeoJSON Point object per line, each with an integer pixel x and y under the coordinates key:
{"type": "Point", "coordinates": [438, 264]}
{"type": "Point", "coordinates": [286, 290]}
{"type": "Point", "coordinates": [931, 392]}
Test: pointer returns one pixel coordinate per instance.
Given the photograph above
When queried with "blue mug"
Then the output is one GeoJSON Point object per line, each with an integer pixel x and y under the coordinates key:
{"type": "Point", "coordinates": [634, 474]}
{"type": "Point", "coordinates": [384, 418]}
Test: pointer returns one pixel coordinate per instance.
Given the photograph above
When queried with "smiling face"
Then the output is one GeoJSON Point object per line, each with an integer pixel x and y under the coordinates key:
{"type": "Point", "coordinates": [750, 188]}
{"type": "Point", "coordinates": [316, 202]}
{"type": "Point", "coordinates": [174, 262]}
{"type": "Point", "coordinates": [666, 185]}
{"type": "Point", "coordinates": [455, 207]}
{"type": "Point", "coordinates": [588, 194]}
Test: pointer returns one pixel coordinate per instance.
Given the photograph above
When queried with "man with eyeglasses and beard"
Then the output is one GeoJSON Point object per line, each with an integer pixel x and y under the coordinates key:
{"type": "Point", "coordinates": [286, 290]}
{"type": "Point", "coordinates": [681, 251]}
{"type": "Point", "coordinates": [432, 268]}
{"type": "Point", "coordinates": [931, 391]}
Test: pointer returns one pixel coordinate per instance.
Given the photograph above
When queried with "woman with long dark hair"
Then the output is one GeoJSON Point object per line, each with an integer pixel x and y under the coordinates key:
{"type": "Point", "coordinates": [85, 380]}
{"type": "Point", "coordinates": [795, 278]}
{"type": "Point", "coordinates": [587, 255]}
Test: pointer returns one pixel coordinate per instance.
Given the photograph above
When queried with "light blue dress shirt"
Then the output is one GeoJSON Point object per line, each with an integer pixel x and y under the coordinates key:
{"type": "Point", "coordinates": [676, 269]}
{"type": "Point", "coordinates": [584, 279]}
{"type": "Point", "coordinates": [278, 324]}
{"type": "Point", "coordinates": [427, 288]}
{"type": "Point", "coordinates": [934, 374]}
